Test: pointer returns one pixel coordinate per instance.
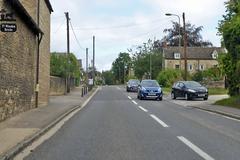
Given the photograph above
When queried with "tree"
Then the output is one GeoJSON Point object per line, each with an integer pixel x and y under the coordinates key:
{"type": "Point", "coordinates": [145, 54]}
{"type": "Point", "coordinates": [229, 29]}
{"type": "Point", "coordinates": [121, 66]}
{"type": "Point", "coordinates": [108, 77]}
{"type": "Point", "coordinates": [59, 66]}
{"type": "Point", "coordinates": [194, 38]}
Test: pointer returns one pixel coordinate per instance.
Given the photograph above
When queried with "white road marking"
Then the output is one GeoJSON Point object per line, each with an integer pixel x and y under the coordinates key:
{"type": "Point", "coordinates": [195, 148]}
{"type": "Point", "coordinates": [118, 88]}
{"type": "Point", "coordinates": [134, 102]}
{"type": "Point", "coordinates": [159, 121]}
{"type": "Point", "coordinates": [142, 108]}
{"type": "Point", "coordinates": [231, 118]}
{"type": "Point", "coordinates": [129, 97]}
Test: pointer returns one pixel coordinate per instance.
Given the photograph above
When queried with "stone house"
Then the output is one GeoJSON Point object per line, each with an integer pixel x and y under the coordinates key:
{"type": "Point", "coordinates": [18, 55]}
{"type": "Point", "coordinates": [198, 58]}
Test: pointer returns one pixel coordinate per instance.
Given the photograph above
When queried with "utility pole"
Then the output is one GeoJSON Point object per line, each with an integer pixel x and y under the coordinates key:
{"type": "Point", "coordinates": [93, 60]}
{"type": "Point", "coordinates": [185, 48]}
{"type": "Point", "coordinates": [87, 64]}
{"type": "Point", "coordinates": [150, 59]}
{"type": "Point", "coordinates": [67, 80]}
{"type": "Point", "coordinates": [123, 72]}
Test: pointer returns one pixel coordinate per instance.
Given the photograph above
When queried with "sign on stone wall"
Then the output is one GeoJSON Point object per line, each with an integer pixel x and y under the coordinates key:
{"type": "Point", "coordinates": [8, 19]}
{"type": "Point", "coordinates": [5, 27]}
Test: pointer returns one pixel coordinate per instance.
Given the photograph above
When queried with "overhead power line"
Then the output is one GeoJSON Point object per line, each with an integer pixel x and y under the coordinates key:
{"type": "Point", "coordinates": [80, 46]}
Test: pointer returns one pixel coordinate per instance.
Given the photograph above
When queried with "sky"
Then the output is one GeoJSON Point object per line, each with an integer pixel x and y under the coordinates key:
{"type": "Point", "coordinates": [119, 25]}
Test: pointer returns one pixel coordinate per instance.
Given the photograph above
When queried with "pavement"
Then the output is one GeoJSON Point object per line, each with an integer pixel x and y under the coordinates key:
{"type": "Point", "coordinates": [19, 131]}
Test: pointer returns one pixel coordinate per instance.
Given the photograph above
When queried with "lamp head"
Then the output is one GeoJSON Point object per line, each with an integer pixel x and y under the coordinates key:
{"type": "Point", "coordinates": [168, 14]}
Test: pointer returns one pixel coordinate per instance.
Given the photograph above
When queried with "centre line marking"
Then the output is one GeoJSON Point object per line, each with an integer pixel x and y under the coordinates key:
{"type": "Point", "coordinates": [142, 108]}
{"type": "Point", "coordinates": [129, 97]}
{"type": "Point", "coordinates": [134, 102]}
{"type": "Point", "coordinates": [159, 121]}
{"type": "Point", "coordinates": [195, 148]}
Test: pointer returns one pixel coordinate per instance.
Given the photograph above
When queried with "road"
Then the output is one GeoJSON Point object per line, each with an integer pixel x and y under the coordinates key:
{"type": "Point", "coordinates": [115, 125]}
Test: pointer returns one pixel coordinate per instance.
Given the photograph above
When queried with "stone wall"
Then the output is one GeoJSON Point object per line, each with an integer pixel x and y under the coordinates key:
{"type": "Point", "coordinates": [44, 25]}
{"type": "Point", "coordinates": [57, 86]}
{"type": "Point", "coordinates": [17, 69]}
{"type": "Point", "coordinates": [44, 74]}
{"type": "Point", "coordinates": [215, 84]}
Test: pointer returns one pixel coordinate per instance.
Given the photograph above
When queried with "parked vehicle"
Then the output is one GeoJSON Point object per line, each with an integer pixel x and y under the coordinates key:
{"type": "Point", "coordinates": [149, 89]}
{"type": "Point", "coordinates": [132, 85]}
{"type": "Point", "coordinates": [189, 90]}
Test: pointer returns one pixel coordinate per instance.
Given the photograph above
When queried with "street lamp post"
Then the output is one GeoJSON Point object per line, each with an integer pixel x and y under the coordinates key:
{"type": "Point", "coordinates": [184, 40]}
{"type": "Point", "coordinates": [179, 35]}
{"type": "Point", "coordinates": [185, 47]}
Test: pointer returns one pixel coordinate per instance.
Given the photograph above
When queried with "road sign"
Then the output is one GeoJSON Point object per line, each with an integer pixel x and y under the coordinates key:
{"type": "Point", "coordinates": [6, 27]}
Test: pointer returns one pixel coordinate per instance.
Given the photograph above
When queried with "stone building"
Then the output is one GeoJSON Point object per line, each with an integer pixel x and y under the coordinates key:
{"type": "Point", "coordinates": [18, 55]}
{"type": "Point", "coordinates": [198, 58]}
{"type": "Point", "coordinates": [45, 10]}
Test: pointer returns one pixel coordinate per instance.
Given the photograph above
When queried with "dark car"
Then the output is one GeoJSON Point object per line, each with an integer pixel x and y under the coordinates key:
{"type": "Point", "coordinates": [132, 85]}
{"type": "Point", "coordinates": [189, 90]}
{"type": "Point", "coordinates": [149, 89]}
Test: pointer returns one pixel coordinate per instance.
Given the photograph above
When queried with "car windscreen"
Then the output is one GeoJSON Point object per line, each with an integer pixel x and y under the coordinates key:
{"type": "Point", "coordinates": [134, 82]}
{"type": "Point", "coordinates": [192, 84]}
{"type": "Point", "coordinates": [149, 84]}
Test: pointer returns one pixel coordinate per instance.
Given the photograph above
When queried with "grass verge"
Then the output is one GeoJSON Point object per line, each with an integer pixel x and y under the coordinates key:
{"type": "Point", "coordinates": [231, 102]}
{"type": "Point", "coordinates": [217, 91]}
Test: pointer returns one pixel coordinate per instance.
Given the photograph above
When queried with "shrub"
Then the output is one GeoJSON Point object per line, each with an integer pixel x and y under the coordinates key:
{"type": "Point", "coordinates": [167, 77]}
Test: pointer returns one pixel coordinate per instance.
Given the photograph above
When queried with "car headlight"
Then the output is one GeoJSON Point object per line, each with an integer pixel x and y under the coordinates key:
{"type": "Point", "coordinates": [143, 89]}
{"type": "Point", "coordinates": [191, 90]}
{"type": "Point", "coordinates": [159, 90]}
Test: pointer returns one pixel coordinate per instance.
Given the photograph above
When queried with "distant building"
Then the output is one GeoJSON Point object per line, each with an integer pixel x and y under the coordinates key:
{"type": "Point", "coordinates": [18, 55]}
{"type": "Point", "coordinates": [198, 58]}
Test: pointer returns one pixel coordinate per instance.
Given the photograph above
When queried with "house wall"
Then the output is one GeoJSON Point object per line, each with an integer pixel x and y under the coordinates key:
{"type": "Point", "coordinates": [17, 68]}
{"type": "Point", "coordinates": [44, 25]}
{"type": "Point", "coordinates": [170, 63]}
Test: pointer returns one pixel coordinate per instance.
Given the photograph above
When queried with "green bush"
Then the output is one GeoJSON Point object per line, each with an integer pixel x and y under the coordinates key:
{"type": "Point", "coordinates": [167, 77]}
{"type": "Point", "coordinates": [59, 66]}
{"type": "Point", "coordinates": [198, 76]}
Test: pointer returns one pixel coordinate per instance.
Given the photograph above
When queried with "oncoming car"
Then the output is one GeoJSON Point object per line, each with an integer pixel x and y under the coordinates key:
{"type": "Point", "coordinates": [149, 89]}
{"type": "Point", "coordinates": [189, 90]}
{"type": "Point", "coordinates": [132, 85]}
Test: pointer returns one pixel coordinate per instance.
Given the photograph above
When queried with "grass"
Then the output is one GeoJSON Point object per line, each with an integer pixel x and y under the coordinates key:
{"type": "Point", "coordinates": [231, 102]}
{"type": "Point", "coordinates": [217, 91]}
{"type": "Point", "coordinates": [166, 90]}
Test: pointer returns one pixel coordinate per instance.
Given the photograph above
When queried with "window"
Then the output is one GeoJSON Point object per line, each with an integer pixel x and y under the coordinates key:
{"type": "Point", "coordinates": [177, 66]}
{"type": "Point", "coordinates": [201, 67]}
{"type": "Point", "coordinates": [190, 67]}
{"type": "Point", "coordinates": [177, 56]}
{"type": "Point", "coordinates": [215, 54]}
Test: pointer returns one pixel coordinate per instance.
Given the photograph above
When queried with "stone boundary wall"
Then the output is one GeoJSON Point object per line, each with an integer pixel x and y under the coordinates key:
{"type": "Point", "coordinates": [215, 84]}
{"type": "Point", "coordinates": [57, 86]}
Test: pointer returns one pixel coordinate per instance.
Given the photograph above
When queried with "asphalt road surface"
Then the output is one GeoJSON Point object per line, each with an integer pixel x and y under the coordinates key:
{"type": "Point", "coordinates": [115, 125]}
